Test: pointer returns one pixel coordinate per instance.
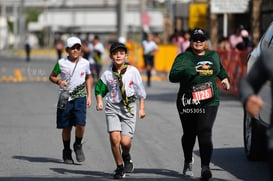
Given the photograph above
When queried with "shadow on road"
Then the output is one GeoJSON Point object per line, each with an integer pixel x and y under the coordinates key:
{"type": "Point", "coordinates": [167, 97]}
{"type": "Point", "coordinates": [233, 160]}
{"type": "Point", "coordinates": [38, 159]}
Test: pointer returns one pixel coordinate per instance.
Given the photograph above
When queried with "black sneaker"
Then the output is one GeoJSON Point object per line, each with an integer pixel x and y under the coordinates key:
{"type": "Point", "coordinates": [67, 156]}
{"type": "Point", "coordinates": [119, 173]}
{"type": "Point", "coordinates": [205, 173]}
{"type": "Point", "coordinates": [128, 163]}
{"type": "Point", "coordinates": [187, 171]}
{"type": "Point", "coordinates": [79, 152]}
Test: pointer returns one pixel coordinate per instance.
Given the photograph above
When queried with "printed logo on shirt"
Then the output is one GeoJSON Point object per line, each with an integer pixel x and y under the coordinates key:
{"type": "Point", "coordinates": [67, 72]}
{"type": "Point", "coordinates": [131, 83]}
{"type": "Point", "coordinates": [82, 74]}
{"type": "Point", "coordinates": [204, 68]}
{"type": "Point", "coordinates": [113, 81]}
{"type": "Point", "coordinates": [113, 84]}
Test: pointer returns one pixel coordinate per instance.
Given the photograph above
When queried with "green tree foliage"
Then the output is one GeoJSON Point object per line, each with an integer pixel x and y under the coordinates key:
{"type": "Point", "coordinates": [32, 15]}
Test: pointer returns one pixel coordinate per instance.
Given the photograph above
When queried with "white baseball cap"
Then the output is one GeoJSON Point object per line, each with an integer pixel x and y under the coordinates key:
{"type": "Point", "coordinates": [72, 41]}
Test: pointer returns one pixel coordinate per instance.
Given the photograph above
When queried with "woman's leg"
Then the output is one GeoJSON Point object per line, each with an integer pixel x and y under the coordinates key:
{"type": "Point", "coordinates": [204, 131]}
{"type": "Point", "coordinates": [188, 122]}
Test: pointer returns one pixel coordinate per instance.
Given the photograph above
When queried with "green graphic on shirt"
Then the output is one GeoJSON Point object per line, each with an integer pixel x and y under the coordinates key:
{"type": "Point", "coordinates": [79, 91]}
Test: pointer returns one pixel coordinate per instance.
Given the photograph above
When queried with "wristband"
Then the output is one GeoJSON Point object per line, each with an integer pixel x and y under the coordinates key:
{"type": "Point", "coordinates": [57, 82]}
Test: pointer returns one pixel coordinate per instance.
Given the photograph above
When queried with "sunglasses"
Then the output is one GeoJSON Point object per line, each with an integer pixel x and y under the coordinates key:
{"type": "Point", "coordinates": [201, 39]}
{"type": "Point", "coordinates": [198, 38]}
{"type": "Point", "coordinates": [75, 47]}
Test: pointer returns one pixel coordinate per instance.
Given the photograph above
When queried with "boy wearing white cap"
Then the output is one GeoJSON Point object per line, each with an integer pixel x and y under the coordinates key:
{"type": "Point", "coordinates": [72, 75]}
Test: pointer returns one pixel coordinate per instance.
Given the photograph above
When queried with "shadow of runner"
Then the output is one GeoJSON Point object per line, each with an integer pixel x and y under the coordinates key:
{"type": "Point", "coordinates": [139, 174]}
{"type": "Point", "coordinates": [42, 160]}
{"type": "Point", "coordinates": [38, 159]}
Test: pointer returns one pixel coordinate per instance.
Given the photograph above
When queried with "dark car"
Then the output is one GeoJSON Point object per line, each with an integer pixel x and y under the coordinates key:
{"type": "Point", "coordinates": [255, 139]}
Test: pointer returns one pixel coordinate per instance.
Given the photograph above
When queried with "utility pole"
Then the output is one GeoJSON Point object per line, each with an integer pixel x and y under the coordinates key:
{"type": "Point", "coordinates": [121, 26]}
{"type": "Point", "coordinates": [15, 25]}
{"type": "Point", "coordinates": [22, 24]}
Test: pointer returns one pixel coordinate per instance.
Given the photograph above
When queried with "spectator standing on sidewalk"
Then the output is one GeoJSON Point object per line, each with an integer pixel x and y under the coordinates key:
{"type": "Point", "coordinates": [97, 50]}
{"type": "Point", "coordinates": [149, 49]}
{"type": "Point", "coordinates": [59, 48]}
{"type": "Point", "coordinates": [121, 85]}
{"type": "Point", "coordinates": [75, 78]}
{"type": "Point", "coordinates": [28, 47]}
{"type": "Point", "coordinates": [197, 71]}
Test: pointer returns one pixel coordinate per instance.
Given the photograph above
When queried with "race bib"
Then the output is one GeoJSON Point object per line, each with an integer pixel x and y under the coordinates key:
{"type": "Point", "coordinates": [202, 91]}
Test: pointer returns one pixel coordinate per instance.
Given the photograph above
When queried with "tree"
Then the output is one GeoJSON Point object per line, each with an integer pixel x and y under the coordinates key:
{"type": "Point", "coordinates": [256, 12]}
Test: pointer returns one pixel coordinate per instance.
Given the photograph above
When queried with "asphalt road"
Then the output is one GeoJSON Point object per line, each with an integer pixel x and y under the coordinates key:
{"type": "Point", "coordinates": [31, 146]}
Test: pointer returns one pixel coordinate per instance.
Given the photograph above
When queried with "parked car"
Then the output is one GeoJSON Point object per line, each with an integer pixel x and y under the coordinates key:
{"type": "Point", "coordinates": [255, 139]}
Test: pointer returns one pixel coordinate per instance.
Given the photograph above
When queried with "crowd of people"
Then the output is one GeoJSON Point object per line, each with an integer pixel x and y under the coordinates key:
{"type": "Point", "coordinates": [239, 40]}
{"type": "Point", "coordinates": [94, 49]}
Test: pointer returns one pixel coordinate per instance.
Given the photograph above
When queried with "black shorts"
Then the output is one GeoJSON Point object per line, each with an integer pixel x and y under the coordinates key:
{"type": "Point", "coordinates": [149, 60]}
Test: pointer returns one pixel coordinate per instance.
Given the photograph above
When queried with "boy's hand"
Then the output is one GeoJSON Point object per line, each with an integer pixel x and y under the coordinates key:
{"type": "Point", "coordinates": [99, 106]}
{"type": "Point", "coordinates": [88, 102]}
{"type": "Point", "coordinates": [62, 83]}
{"type": "Point", "coordinates": [141, 113]}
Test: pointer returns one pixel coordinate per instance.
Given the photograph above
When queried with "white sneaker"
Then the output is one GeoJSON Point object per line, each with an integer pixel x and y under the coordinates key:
{"type": "Point", "coordinates": [187, 171]}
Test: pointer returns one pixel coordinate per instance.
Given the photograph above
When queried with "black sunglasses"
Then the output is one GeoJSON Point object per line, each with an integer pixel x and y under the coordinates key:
{"type": "Point", "coordinates": [196, 39]}
{"type": "Point", "coordinates": [75, 47]}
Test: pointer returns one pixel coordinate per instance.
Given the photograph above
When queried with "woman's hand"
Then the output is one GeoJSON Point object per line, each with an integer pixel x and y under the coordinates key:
{"type": "Point", "coordinates": [226, 84]}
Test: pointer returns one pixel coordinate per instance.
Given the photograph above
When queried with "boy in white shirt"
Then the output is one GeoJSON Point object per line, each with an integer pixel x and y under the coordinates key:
{"type": "Point", "coordinates": [121, 85]}
{"type": "Point", "coordinates": [72, 73]}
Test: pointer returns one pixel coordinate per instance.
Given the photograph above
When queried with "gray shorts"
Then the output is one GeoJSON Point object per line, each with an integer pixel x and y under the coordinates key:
{"type": "Point", "coordinates": [119, 119]}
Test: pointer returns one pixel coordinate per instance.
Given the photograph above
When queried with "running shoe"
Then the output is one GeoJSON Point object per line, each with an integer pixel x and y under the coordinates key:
{"type": "Point", "coordinates": [119, 173]}
{"type": "Point", "coordinates": [67, 156]}
{"type": "Point", "coordinates": [205, 173]}
{"type": "Point", "coordinates": [187, 171]}
{"type": "Point", "coordinates": [79, 152]}
{"type": "Point", "coordinates": [128, 163]}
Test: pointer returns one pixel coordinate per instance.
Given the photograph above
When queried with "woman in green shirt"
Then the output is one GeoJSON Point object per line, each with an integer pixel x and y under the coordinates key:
{"type": "Point", "coordinates": [197, 71]}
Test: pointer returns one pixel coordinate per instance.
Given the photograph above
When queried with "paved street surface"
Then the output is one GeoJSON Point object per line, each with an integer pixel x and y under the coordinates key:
{"type": "Point", "coordinates": [31, 146]}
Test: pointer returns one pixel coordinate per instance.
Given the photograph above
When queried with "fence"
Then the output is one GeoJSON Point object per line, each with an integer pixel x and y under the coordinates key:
{"type": "Point", "coordinates": [235, 64]}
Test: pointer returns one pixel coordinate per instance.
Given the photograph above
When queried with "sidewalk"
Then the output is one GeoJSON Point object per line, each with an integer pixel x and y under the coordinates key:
{"type": "Point", "coordinates": [36, 54]}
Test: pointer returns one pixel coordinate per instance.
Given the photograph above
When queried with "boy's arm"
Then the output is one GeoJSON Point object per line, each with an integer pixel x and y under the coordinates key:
{"type": "Point", "coordinates": [141, 112]}
{"type": "Point", "coordinates": [56, 80]}
{"type": "Point", "coordinates": [89, 88]}
{"type": "Point", "coordinates": [53, 78]}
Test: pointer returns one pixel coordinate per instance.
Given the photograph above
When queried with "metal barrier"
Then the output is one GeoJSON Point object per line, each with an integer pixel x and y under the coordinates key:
{"type": "Point", "coordinates": [235, 64]}
{"type": "Point", "coordinates": [164, 57]}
